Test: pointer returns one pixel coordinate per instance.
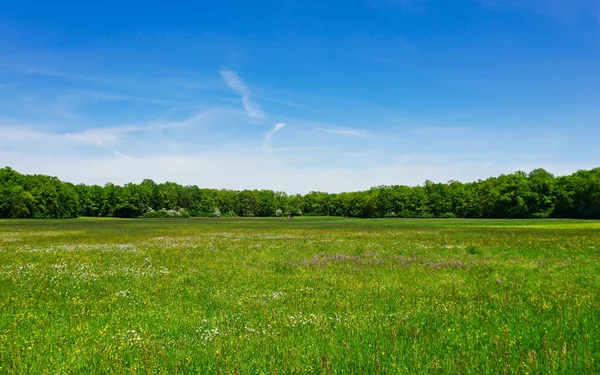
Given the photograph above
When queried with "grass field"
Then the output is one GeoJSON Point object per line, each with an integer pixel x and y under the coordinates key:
{"type": "Point", "coordinates": [314, 295]}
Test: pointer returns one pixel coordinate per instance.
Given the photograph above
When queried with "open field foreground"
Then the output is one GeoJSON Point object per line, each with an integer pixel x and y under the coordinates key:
{"type": "Point", "coordinates": [314, 295]}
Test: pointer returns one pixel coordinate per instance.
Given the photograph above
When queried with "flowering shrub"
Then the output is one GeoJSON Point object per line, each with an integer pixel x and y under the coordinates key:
{"type": "Point", "coordinates": [180, 213]}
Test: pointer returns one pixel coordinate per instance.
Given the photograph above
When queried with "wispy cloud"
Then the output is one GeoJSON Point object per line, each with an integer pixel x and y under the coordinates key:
{"type": "Point", "coordinates": [114, 139]}
{"type": "Point", "coordinates": [267, 142]}
{"type": "Point", "coordinates": [133, 156]}
{"type": "Point", "coordinates": [343, 131]}
{"type": "Point", "coordinates": [103, 138]}
{"type": "Point", "coordinates": [44, 141]}
{"type": "Point", "coordinates": [105, 135]}
{"type": "Point", "coordinates": [72, 98]}
{"type": "Point", "coordinates": [15, 134]}
{"type": "Point", "coordinates": [237, 170]}
{"type": "Point", "coordinates": [296, 105]}
{"type": "Point", "coordinates": [99, 95]}
{"type": "Point", "coordinates": [235, 83]}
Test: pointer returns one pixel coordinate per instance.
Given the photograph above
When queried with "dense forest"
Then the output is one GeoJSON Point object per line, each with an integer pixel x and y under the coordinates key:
{"type": "Point", "coordinates": [537, 194]}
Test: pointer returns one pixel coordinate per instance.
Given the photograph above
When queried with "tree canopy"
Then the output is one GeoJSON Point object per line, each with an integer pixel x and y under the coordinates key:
{"type": "Point", "coordinates": [537, 194]}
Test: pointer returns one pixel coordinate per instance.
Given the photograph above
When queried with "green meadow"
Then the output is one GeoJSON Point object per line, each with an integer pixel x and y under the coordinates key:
{"type": "Point", "coordinates": [309, 296]}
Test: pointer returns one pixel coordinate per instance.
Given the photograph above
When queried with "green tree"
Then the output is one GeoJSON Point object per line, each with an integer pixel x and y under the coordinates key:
{"type": "Point", "coordinates": [21, 202]}
{"type": "Point", "coordinates": [541, 198]}
{"type": "Point", "coordinates": [267, 203]}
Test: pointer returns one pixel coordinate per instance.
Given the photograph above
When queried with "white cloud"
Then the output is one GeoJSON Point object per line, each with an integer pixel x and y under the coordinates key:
{"type": "Point", "coordinates": [111, 138]}
{"type": "Point", "coordinates": [297, 105]}
{"type": "Point", "coordinates": [214, 148]}
{"type": "Point", "coordinates": [343, 131]}
{"type": "Point", "coordinates": [100, 95]}
{"type": "Point", "coordinates": [267, 142]}
{"type": "Point", "coordinates": [105, 135]}
{"type": "Point", "coordinates": [331, 129]}
{"type": "Point", "coordinates": [240, 171]}
{"type": "Point", "coordinates": [131, 157]}
{"type": "Point", "coordinates": [17, 134]}
{"type": "Point", "coordinates": [43, 141]}
{"type": "Point", "coordinates": [278, 127]}
{"type": "Point", "coordinates": [236, 84]}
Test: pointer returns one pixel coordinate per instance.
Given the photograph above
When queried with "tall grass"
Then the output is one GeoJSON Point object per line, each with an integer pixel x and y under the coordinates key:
{"type": "Point", "coordinates": [319, 295]}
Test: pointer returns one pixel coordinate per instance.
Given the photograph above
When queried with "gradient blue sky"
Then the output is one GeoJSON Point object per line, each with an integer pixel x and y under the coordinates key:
{"type": "Point", "coordinates": [299, 95]}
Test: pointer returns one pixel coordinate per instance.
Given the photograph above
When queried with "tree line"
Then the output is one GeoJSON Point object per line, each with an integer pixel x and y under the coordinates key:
{"type": "Point", "coordinates": [537, 194]}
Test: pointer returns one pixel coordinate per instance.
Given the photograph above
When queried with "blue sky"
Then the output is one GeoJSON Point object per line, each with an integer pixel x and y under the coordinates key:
{"type": "Point", "coordinates": [299, 95]}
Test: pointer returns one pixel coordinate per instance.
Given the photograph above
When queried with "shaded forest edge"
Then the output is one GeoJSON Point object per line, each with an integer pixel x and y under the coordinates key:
{"type": "Point", "coordinates": [537, 194]}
